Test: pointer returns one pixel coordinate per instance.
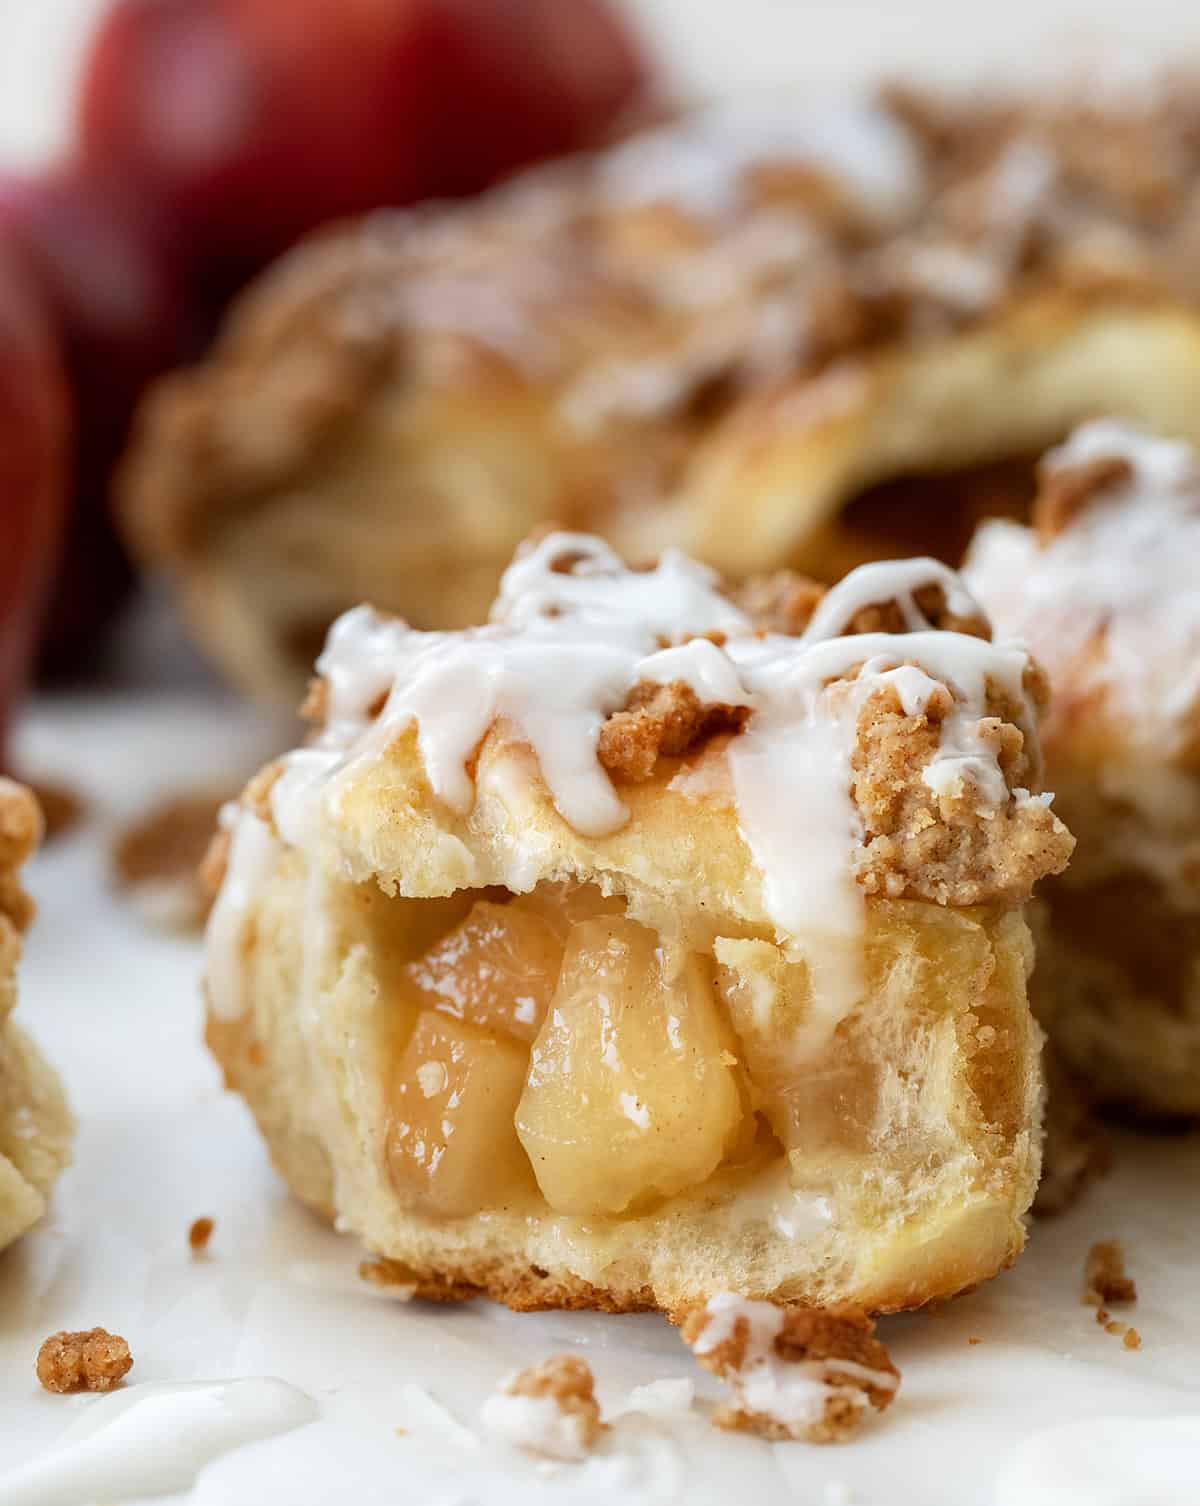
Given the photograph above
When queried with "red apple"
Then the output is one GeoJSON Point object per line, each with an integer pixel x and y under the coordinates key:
{"type": "Point", "coordinates": [121, 317]}
{"type": "Point", "coordinates": [248, 122]}
{"type": "Point", "coordinates": [33, 467]}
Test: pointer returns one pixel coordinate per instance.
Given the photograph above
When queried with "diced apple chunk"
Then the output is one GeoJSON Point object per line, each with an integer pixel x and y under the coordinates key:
{"type": "Point", "coordinates": [496, 969]}
{"type": "Point", "coordinates": [563, 905]}
{"type": "Point", "coordinates": [630, 1094]}
{"type": "Point", "coordinates": [452, 1148]}
{"type": "Point", "coordinates": [821, 1102]}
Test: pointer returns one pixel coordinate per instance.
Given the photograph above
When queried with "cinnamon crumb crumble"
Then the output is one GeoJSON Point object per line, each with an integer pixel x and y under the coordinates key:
{"type": "Point", "coordinates": [795, 1373]}
{"type": "Point", "coordinates": [199, 1234]}
{"type": "Point", "coordinates": [660, 721]}
{"type": "Point", "coordinates": [1104, 1276]}
{"type": "Point", "coordinates": [92, 1360]}
{"type": "Point", "coordinates": [549, 1409]}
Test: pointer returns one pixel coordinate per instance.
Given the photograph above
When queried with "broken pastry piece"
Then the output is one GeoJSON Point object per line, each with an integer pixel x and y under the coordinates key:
{"type": "Point", "coordinates": [1105, 588]}
{"type": "Point", "coordinates": [794, 1373]}
{"type": "Point", "coordinates": [35, 1124]}
{"type": "Point", "coordinates": [768, 336]}
{"type": "Point", "coordinates": [729, 1001]}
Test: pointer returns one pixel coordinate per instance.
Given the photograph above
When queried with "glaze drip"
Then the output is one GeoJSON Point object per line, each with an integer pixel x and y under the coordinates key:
{"type": "Point", "coordinates": [574, 631]}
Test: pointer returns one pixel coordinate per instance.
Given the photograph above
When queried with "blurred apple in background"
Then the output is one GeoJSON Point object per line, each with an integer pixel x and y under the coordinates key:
{"type": "Point", "coordinates": [33, 469]}
{"type": "Point", "coordinates": [121, 311]}
{"type": "Point", "coordinates": [245, 123]}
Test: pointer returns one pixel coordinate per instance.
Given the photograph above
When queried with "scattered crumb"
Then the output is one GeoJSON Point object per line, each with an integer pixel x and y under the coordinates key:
{"type": "Point", "coordinates": [1133, 1339]}
{"type": "Point", "coordinates": [199, 1234]}
{"type": "Point", "coordinates": [1116, 1328]}
{"type": "Point", "coordinates": [1104, 1277]}
{"type": "Point", "coordinates": [974, 1341]}
{"type": "Point", "coordinates": [549, 1409]}
{"type": "Point", "coordinates": [63, 807]}
{"type": "Point", "coordinates": [95, 1360]}
{"type": "Point", "coordinates": [795, 1372]}
{"type": "Point", "coordinates": [156, 859]}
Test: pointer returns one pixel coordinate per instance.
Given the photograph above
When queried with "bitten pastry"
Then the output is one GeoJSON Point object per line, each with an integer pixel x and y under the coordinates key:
{"type": "Point", "coordinates": [35, 1123]}
{"type": "Point", "coordinates": [1106, 589]}
{"type": "Point", "coordinates": [766, 336]}
{"type": "Point", "coordinates": [642, 946]}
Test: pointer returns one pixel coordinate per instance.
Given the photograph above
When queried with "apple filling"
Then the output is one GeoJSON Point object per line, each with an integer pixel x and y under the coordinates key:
{"type": "Point", "coordinates": [555, 1053]}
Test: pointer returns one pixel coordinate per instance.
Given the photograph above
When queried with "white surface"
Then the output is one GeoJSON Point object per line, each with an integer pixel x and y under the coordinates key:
{"type": "Point", "coordinates": [278, 1294]}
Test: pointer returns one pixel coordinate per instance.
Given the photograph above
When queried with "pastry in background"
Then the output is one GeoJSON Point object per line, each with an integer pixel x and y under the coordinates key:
{"type": "Point", "coordinates": [1105, 587]}
{"type": "Point", "coordinates": [647, 944]}
{"type": "Point", "coordinates": [35, 1124]}
{"type": "Point", "coordinates": [770, 336]}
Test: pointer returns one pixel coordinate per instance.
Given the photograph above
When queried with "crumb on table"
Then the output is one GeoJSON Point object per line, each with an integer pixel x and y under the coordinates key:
{"type": "Point", "coordinates": [548, 1409]}
{"type": "Point", "coordinates": [91, 1360]}
{"type": "Point", "coordinates": [63, 806]}
{"type": "Point", "coordinates": [200, 1233]}
{"type": "Point", "coordinates": [1104, 1276]}
{"type": "Point", "coordinates": [794, 1372]}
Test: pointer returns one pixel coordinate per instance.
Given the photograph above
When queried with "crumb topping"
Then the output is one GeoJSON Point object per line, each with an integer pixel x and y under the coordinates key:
{"type": "Point", "coordinates": [944, 844]}
{"type": "Point", "coordinates": [1105, 1281]}
{"type": "Point", "coordinates": [660, 721]}
{"type": "Point", "coordinates": [549, 1409]}
{"type": "Point", "coordinates": [794, 1372]}
{"type": "Point", "coordinates": [93, 1360]}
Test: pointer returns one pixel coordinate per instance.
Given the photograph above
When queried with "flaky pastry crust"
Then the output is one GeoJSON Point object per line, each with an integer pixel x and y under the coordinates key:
{"type": "Point", "coordinates": [35, 1124]}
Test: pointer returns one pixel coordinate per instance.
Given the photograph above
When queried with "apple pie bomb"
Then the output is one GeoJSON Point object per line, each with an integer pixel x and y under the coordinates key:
{"type": "Point", "coordinates": [650, 945]}
{"type": "Point", "coordinates": [1105, 586]}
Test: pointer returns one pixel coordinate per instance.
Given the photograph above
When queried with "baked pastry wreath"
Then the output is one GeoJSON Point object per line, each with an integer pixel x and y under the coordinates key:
{"type": "Point", "coordinates": [644, 945]}
{"type": "Point", "coordinates": [1105, 587]}
{"type": "Point", "coordinates": [767, 336]}
{"type": "Point", "coordinates": [35, 1124]}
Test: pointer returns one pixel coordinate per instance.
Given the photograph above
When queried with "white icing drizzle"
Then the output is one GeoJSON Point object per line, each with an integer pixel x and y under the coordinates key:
{"type": "Point", "coordinates": [152, 1440]}
{"type": "Point", "coordinates": [1124, 571]}
{"type": "Point", "coordinates": [672, 1396]}
{"type": "Point", "coordinates": [792, 1392]}
{"type": "Point", "coordinates": [699, 163]}
{"type": "Point", "coordinates": [536, 1424]}
{"type": "Point", "coordinates": [253, 851]}
{"type": "Point", "coordinates": [573, 631]}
